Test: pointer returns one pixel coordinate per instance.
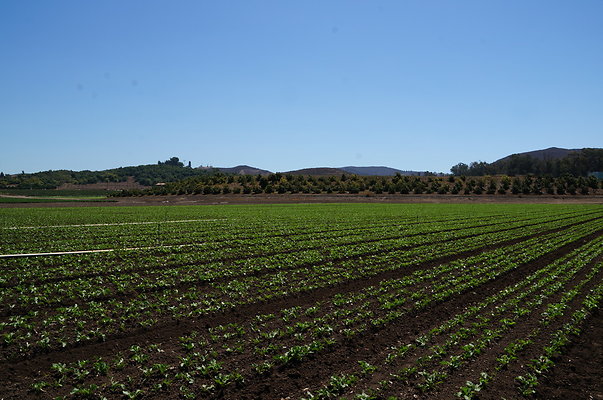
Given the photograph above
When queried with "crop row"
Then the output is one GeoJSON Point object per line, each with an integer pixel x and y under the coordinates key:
{"type": "Point", "coordinates": [96, 318]}
{"type": "Point", "coordinates": [203, 228]}
{"type": "Point", "coordinates": [434, 357]}
{"type": "Point", "coordinates": [27, 278]}
{"type": "Point", "coordinates": [178, 231]}
{"type": "Point", "coordinates": [311, 301]}
{"type": "Point", "coordinates": [228, 357]}
{"type": "Point", "coordinates": [215, 249]}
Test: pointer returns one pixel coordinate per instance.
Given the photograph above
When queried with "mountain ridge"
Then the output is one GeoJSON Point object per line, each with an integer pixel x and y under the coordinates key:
{"type": "Point", "coordinates": [551, 153]}
{"type": "Point", "coordinates": [552, 161]}
{"type": "Point", "coordinates": [241, 170]}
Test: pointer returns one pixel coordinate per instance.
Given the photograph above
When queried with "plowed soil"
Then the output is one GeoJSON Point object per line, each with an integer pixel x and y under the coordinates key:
{"type": "Point", "coordinates": [577, 374]}
{"type": "Point", "coordinates": [322, 198]}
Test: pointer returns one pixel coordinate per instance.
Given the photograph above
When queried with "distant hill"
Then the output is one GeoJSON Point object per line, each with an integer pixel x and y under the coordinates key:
{"type": "Point", "coordinates": [553, 161]}
{"type": "Point", "coordinates": [243, 170]}
{"type": "Point", "coordinates": [552, 153]}
{"type": "Point", "coordinates": [378, 171]}
{"type": "Point", "coordinates": [361, 171]}
{"type": "Point", "coordinates": [320, 171]}
{"type": "Point", "coordinates": [171, 170]}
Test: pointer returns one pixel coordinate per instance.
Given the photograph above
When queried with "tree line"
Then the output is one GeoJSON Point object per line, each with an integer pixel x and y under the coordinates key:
{"type": "Point", "coordinates": [219, 183]}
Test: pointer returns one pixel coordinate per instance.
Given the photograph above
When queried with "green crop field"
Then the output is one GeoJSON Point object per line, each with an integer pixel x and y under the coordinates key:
{"type": "Point", "coordinates": [363, 301]}
{"type": "Point", "coordinates": [51, 195]}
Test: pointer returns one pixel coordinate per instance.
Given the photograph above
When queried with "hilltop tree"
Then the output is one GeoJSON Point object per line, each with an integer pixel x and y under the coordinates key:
{"type": "Point", "coordinates": [175, 161]}
{"type": "Point", "coordinates": [460, 169]}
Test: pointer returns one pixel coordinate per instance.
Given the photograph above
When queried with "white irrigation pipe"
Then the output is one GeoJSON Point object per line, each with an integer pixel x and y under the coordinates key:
{"type": "Point", "coordinates": [114, 224]}
{"type": "Point", "coordinates": [62, 253]}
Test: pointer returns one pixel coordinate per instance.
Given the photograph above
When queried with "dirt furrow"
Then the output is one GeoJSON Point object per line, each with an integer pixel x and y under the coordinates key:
{"type": "Point", "coordinates": [311, 373]}
{"type": "Point", "coordinates": [487, 361]}
{"type": "Point", "coordinates": [291, 380]}
{"type": "Point", "coordinates": [578, 373]}
{"type": "Point", "coordinates": [506, 378]}
{"type": "Point", "coordinates": [456, 377]}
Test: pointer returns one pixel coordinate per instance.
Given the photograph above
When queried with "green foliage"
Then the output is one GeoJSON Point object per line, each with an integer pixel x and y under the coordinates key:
{"type": "Point", "coordinates": [579, 163]}
{"type": "Point", "coordinates": [246, 258]}
{"type": "Point", "coordinates": [147, 175]}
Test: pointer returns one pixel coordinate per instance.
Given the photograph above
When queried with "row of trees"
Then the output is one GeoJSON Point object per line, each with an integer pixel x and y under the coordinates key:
{"type": "Point", "coordinates": [579, 163]}
{"type": "Point", "coordinates": [353, 184]}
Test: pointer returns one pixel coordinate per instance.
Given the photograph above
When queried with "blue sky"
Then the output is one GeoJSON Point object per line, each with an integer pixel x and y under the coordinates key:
{"type": "Point", "coordinates": [283, 85]}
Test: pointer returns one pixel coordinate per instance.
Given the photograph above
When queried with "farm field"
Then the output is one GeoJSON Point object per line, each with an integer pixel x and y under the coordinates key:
{"type": "Point", "coordinates": [315, 301]}
{"type": "Point", "coordinates": [24, 196]}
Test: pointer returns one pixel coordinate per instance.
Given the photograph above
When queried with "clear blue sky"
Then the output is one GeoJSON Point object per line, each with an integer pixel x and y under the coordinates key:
{"type": "Point", "coordinates": [283, 85]}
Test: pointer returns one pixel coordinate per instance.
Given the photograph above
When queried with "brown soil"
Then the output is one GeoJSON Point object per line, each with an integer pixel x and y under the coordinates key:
{"type": "Point", "coordinates": [344, 358]}
{"type": "Point", "coordinates": [504, 384]}
{"type": "Point", "coordinates": [322, 198]}
{"type": "Point", "coordinates": [311, 373]}
{"type": "Point", "coordinates": [295, 299]}
{"type": "Point", "coordinates": [578, 373]}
